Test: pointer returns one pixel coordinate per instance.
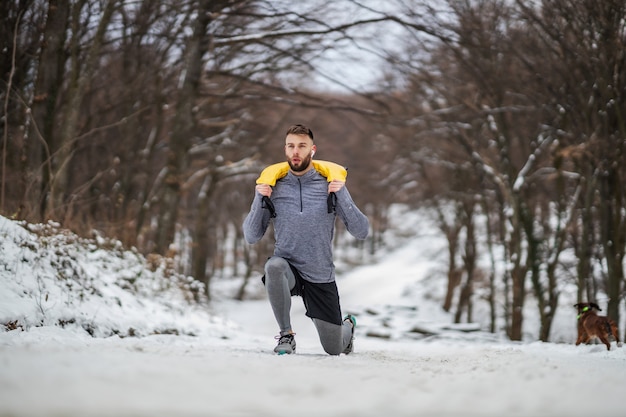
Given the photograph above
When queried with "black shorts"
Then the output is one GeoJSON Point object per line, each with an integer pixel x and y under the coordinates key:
{"type": "Point", "coordinates": [321, 301]}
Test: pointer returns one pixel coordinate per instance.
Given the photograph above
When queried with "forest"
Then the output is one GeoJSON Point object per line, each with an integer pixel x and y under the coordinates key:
{"type": "Point", "coordinates": [148, 121]}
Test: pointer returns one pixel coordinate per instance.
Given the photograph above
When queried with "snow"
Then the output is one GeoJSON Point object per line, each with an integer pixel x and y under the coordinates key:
{"type": "Point", "coordinates": [60, 291]}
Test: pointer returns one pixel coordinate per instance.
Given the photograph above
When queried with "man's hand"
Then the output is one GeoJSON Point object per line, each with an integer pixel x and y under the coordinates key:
{"type": "Point", "coordinates": [335, 186]}
{"type": "Point", "coordinates": [264, 190]}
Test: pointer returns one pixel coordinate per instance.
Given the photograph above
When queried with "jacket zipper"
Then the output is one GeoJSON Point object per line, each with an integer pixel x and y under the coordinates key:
{"type": "Point", "coordinates": [301, 204]}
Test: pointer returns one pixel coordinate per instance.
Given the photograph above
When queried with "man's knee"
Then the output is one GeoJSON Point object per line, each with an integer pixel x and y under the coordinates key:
{"type": "Point", "coordinates": [330, 336]}
{"type": "Point", "coordinates": [276, 267]}
{"type": "Point", "coordinates": [333, 348]}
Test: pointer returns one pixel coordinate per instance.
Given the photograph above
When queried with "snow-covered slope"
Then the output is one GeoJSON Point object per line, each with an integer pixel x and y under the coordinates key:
{"type": "Point", "coordinates": [51, 277]}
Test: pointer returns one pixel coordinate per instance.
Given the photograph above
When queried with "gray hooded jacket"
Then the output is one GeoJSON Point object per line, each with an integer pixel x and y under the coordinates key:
{"type": "Point", "coordinates": [303, 228]}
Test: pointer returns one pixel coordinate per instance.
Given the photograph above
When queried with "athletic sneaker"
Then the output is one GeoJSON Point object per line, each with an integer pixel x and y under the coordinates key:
{"type": "Point", "coordinates": [286, 344]}
{"type": "Point", "coordinates": [352, 321]}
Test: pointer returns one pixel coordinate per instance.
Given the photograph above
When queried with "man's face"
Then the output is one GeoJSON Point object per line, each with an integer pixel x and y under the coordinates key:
{"type": "Point", "coordinates": [298, 150]}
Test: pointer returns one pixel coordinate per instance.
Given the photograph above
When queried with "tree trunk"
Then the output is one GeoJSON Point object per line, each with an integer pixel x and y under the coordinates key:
{"type": "Point", "coordinates": [534, 262]}
{"type": "Point", "coordinates": [247, 261]}
{"type": "Point", "coordinates": [585, 242]}
{"type": "Point", "coordinates": [469, 261]}
{"type": "Point", "coordinates": [612, 229]}
{"type": "Point", "coordinates": [43, 107]}
{"type": "Point", "coordinates": [202, 241]}
{"type": "Point", "coordinates": [451, 232]}
{"type": "Point", "coordinates": [63, 148]}
{"type": "Point", "coordinates": [182, 130]}
{"type": "Point", "coordinates": [492, 258]}
{"type": "Point", "coordinates": [454, 273]}
{"type": "Point", "coordinates": [518, 276]}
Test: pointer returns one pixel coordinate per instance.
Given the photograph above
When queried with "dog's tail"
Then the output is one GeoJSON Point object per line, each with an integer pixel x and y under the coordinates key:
{"type": "Point", "coordinates": [612, 329]}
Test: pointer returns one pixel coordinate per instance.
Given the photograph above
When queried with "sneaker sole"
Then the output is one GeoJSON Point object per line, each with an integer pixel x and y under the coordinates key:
{"type": "Point", "coordinates": [350, 348]}
{"type": "Point", "coordinates": [285, 350]}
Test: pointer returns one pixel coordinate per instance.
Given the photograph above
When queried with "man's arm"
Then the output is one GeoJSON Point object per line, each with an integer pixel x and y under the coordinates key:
{"type": "Point", "coordinates": [356, 222]}
{"type": "Point", "coordinates": [256, 222]}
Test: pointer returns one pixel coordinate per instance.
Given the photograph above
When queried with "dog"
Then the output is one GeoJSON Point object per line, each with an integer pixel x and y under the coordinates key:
{"type": "Point", "coordinates": [591, 326]}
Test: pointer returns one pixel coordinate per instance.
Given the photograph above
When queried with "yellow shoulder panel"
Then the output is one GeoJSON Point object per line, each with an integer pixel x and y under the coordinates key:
{"type": "Point", "coordinates": [330, 170]}
{"type": "Point", "coordinates": [273, 173]}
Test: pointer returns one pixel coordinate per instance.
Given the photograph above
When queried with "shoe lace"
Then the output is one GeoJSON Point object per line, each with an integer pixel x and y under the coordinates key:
{"type": "Point", "coordinates": [286, 338]}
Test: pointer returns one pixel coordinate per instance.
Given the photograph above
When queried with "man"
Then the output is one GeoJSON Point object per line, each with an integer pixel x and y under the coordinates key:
{"type": "Point", "coordinates": [303, 204]}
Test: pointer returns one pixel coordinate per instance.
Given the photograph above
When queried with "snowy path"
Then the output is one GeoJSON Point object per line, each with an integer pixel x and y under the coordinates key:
{"type": "Point", "coordinates": [46, 373]}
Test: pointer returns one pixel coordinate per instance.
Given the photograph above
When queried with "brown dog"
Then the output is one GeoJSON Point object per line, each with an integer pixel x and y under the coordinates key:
{"type": "Point", "coordinates": [590, 325]}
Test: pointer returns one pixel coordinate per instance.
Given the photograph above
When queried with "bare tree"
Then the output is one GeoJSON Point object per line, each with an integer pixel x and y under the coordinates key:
{"type": "Point", "coordinates": [483, 99]}
{"type": "Point", "coordinates": [588, 83]}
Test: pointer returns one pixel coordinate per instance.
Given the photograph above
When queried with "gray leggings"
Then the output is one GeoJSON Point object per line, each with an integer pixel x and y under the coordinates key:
{"type": "Point", "coordinates": [279, 281]}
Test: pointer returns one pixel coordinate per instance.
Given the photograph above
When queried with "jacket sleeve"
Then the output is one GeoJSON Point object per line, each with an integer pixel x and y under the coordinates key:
{"type": "Point", "coordinates": [355, 221]}
{"type": "Point", "coordinates": [256, 222]}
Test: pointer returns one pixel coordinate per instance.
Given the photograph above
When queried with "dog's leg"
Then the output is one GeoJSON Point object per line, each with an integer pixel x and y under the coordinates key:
{"type": "Point", "coordinates": [615, 332]}
{"type": "Point", "coordinates": [581, 333]}
{"type": "Point", "coordinates": [605, 340]}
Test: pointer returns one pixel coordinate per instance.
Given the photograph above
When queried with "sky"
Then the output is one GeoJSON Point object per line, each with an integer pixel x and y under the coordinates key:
{"type": "Point", "coordinates": [355, 62]}
{"type": "Point", "coordinates": [76, 300]}
{"type": "Point", "coordinates": [359, 62]}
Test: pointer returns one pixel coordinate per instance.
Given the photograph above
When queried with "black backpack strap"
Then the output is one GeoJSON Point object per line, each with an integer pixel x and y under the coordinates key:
{"type": "Point", "coordinates": [331, 202]}
{"type": "Point", "coordinates": [267, 204]}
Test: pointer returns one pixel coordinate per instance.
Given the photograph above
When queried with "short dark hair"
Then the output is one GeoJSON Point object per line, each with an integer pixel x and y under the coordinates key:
{"type": "Point", "coordinates": [300, 130]}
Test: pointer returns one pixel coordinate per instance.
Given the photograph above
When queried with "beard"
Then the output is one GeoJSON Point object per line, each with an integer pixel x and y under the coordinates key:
{"type": "Point", "coordinates": [304, 164]}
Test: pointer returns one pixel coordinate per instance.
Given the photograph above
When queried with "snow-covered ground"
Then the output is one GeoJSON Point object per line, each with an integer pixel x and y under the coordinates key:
{"type": "Point", "coordinates": [60, 291]}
